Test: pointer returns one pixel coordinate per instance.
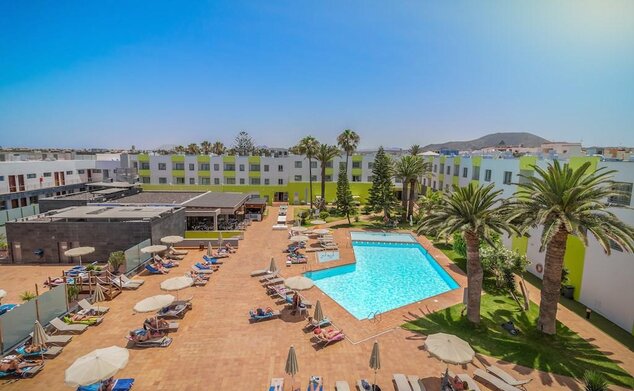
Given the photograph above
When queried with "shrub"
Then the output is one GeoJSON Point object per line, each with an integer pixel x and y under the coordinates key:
{"type": "Point", "coordinates": [27, 295]}
{"type": "Point", "coordinates": [594, 381]}
{"type": "Point", "coordinates": [324, 215]}
{"type": "Point", "coordinates": [459, 245]}
{"type": "Point", "coordinates": [3, 242]}
{"type": "Point", "coordinates": [356, 218]}
{"type": "Point", "coordinates": [115, 260]}
{"type": "Point", "coordinates": [72, 291]}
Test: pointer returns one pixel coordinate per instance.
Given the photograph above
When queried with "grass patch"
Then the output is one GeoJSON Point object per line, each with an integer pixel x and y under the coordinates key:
{"type": "Point", "coordinates": [565, 353]}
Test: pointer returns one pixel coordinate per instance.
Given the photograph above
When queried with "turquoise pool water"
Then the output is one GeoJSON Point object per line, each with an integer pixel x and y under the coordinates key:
{"type": "Point", "coordinates": [386, 276]}
{"type": "Point", "coordinates": [382, 237]}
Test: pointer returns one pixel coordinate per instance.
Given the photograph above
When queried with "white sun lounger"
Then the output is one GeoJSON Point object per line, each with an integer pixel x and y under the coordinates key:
{"type": "Point", "coordinates": [56, 339]}
{"type": "Point", "coordinates": [277, 384]}
{"type": "Point", "coordinates": [507, 377]}
{"type": "Point", "coordinates": [203, 271]}
{"type": "Point", "coordinates": [62, 327]}
{"type": "Point", "coordinates": [178, 252]}
{"type": "Point", "coordinates": [402, 384]}
{"type": "Point", "coordinates": [467, 379]}
{"type": "Point", "coordinates": [260, 272]}
{"type": "Point", "coordinates": [341, 385]}
{"type": "Point", "coordinates": [124, 282]}
{"type": "Point", "coordinates": [269, 276]}
{"type": "Point", "coordinates": [274, 281]}
{"type": "Point", "coordinates": [494, 381]}
{"type": "Point", "coordinates": [85, 305]}
{"type": "Point", "coordinates": [416, 383]}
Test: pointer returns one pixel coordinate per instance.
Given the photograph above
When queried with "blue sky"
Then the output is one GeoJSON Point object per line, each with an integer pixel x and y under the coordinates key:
{"type": "Point", "coordinates": [114, 74]}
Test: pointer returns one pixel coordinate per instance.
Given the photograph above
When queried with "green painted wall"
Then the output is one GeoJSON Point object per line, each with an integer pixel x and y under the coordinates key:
{"type": "Point", "coordinates": [178, 158]}
{"type": "Point", "coordinates": [576, 162]}
{"type": "Point", "coordinates": [519, 244]}
{"type": "Point", "coordinates": [203, 173]}
{"type": "Point", "coordinates": [357, 158]}
{"type": "Point", "coordinates": [203, 159]}
{"type": "Point", "coordinates": [143, 157]}
{"type": "Point", "coordinates": [254, 159]}
{"type": "Point", "coordinates": [443, 159]}
{"type": "Point", "coordinates": [357, 171]}
{"type": "Point", "coordinates": [228, 159]}
{"type": "Point", "coordinates": [178, 173]}
{"type": "Point", "coordinates": [476, 161]}
{"type": "Point", "coordinates": [527, 161]}
{"type": "Point", "coordinates": [456, 180]}
{"type": "Point", "coordinates": [456, 160]}
{"type": "Point", "coordinates": [254, 174]}
{"type": "Point", "coordinates": [144, 172]}
{"type": "Point", "coordinates": [573, 261]}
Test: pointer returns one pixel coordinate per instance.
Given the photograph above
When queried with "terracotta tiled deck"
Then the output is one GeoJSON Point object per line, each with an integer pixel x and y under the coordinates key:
{"type": "Point", "coordinates": [217, 348]}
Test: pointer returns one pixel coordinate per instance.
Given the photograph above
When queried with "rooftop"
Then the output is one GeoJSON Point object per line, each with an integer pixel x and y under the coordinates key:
{"type": "Point", "coordinates": [103, 212]}
{"type": "Point", "coordinates": [218, 200]}
{"type": "Point", "coordinates": [159, 197]}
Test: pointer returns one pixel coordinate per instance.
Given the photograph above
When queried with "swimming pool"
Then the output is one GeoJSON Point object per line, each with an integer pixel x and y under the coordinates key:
{"type": "Point", "coordinates": [327, 256]}
{"type": "Point", "coordinates": [386, 276]}
{"type": "Point", "coordinates": [382, 237]}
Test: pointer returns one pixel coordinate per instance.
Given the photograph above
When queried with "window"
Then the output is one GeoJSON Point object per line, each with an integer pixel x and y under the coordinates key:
{"type": "Point", "coordinates": [30, 176]}
{"type": "Point", "coordinates": [254, 167]}
{"type": "Point", "coordinates": [162, 180]}
{"type": "Point", "coordinates": [342, 166]}
{"type": "Point", "coordinates": [178, 166]}
{"type": "Point", "coordinates": [48, 174]}
{"type": "Point", "coordinates": [313, 164]}
{"type": "Point", "coordinates": [625, 196]}
{"type": "Point", "coordinates": [280, 168]}
{"type": "Point", "coordinates": [192, 166]}
{"type": "Point", "coordinates": [94, 171]}
{"type": "Point", "coordinates": [229, 167]}
{"type": "Point", "coordinates": [145, 179]}
{"type": "Point", "coordinates": [230, 181]}
{"type": "Point", "coordinates": [442, 168]}
{"type": "Point", "coordinates": [456, 170]}
{"type": "Point", "coordinates": [356, 164]}
{"type": "Point", "coordinates": [192, 181]}
{"type": "Point", "coordinates": [434, 185]}
{"type": "Point", "coordinates": [298, 178]}
{"type": "Point", "coordinates": [298, 164]}
{"type": "Point", "coordinates": [84, 171]}
{"type": "Point", "coordinates": [448, 169]}
{"type": "Point", "coordinates": [204, 180]}
{"type": "Point", "coordinates": [356, 178]}
{"type": "Point", "coordinates": [329, 164]}
{"type": "Point", "coordinates": [144, 166]}
{"type": "Point", "coordinates": [216, 181]}
{"type": "Point", "coordinates": [1, 178]}
{"type": "Point", "coordinates": [508, 177]}
{"type": "Point", "coordinates": [254, 181]}
{"type": "Point", "coordinates": [203, 167]}
{"type": "Point", "coordinates": [241, 167]}
{"type": "Point", "coordinates": [267, 181]}
{"type": "Point", "coordinates": [465, 172]}
{"type": "Point", "coordinates": [371, 165]}
{"type": "Point", "coordinates": [328, 178]}
{"type": "Point", "coordinates": [266, 168]}
{"type": "Point", "coordinates": [370, 178]}
{"type": "Point", "coordinates": [242, 181]}
{"type": "Point", "coordinates": [398, 180]}
{"type": "Point", "coordinates": [280, 181]}
{"type": "Point", "coordinates": [435, 168]}
{"type": "Point", "coordinates": [487, 175]}
{"type": "Point", "coordinates": [135, 164]}
{"type": "Point", "coordinates": [162, 166]}
{"type": "Point", "coordinates": [476, 173]}
{"type": "Point", "coordinates": [179, 180]}
{"type": "Point", "coordinates": [216, 167]}
{"type": "Point", "coordinates": [69, 173]}
{"type": "Point", "coordinates": [313, 178]}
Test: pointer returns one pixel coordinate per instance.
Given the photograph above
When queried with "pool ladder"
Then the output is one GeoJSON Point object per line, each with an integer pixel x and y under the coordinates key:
{"type": "Point", "coordinates": [374, 317]}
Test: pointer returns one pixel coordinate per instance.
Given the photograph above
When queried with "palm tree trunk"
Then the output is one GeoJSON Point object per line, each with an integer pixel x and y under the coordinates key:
{"type": "Point", "coordinates": [475, 276]}
{"type": "Point", "coordinates": [323, 183]}
{"type": "Point", "coordinates": [412, 197]}
{"type": "Point", "coordinates": [404, 198]}
{"type": "Point", "coordinates": [347, 157]}
{"type": "Point", "coordinates": [551, 286]}
{"type": "Point", "coordinates": [310, 183]}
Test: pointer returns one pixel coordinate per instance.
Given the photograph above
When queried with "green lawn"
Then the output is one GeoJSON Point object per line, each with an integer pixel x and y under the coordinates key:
{"type": "Point", "coordinates": [565, 354]}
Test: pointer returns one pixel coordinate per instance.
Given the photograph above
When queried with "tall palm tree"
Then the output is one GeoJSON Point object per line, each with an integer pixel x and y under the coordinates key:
{"type": "Point", "coordinates": [193, 149]}
{"type": "Point", "coordinates": [403, 170]}
{"type": "Point", "coordinates": [308, 146]}
{"type": "Point", "coordinates": [430, 202]}
{"type": "Point", "coordinates": [419, 168]}
{"type": "Point", "coordinates": [205, 147]}
{"type": "Point", "coordinates": [218, 148]}
{"type": "Point", "coordinates": [415, 149]}
{"type": "Point", "coordinates": [348, 141]}
{"type": "Point", "coordinates": [325, 153]}
{"type": "Point", "coordinates": [566, 201]}
{"type": "Point", "coordinates": [472, 211]}
{"type": "Point", "coordinates": [179, 149]}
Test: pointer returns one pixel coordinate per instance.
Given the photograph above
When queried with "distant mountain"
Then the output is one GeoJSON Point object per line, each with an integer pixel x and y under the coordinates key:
{"type": "Point", "coordinates": [491, 140]}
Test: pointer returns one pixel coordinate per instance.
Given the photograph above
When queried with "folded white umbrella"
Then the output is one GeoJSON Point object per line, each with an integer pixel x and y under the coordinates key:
{"type": "Point", "coordinates": [272, 266]}
{"type": "Point", "coordinates": [3, 293]}
{"type": "Point", "coordinates": [39, 335]}
{"type": "Point", "coordinates": [318, 316]}
{"type": "Point", "coordinates": [98, 294]}
{"type": "Point", "coordinates": [96, 366]}
{"type": "Point", "coordinates": [298, 283]}
{"type": "Point", "coordinates": [449, 348]}
{"type": "Point", "coordinates": [153, 303]}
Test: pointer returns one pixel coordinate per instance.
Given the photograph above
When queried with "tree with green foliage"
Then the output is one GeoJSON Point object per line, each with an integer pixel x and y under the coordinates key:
{"type": "Point", "coordinates": [179, 149]}
{"type": "Point", "coordinates": [218, 148]}
{"type": "Point", "coordinates": [429, 203]}
{"type": "Point", "coordinates": [348, 141]}
{"type": "Point", "coordinates": [410, 168]}
{"type": "Point", "coordinates": [566, 201]}
{"type": "Point", "coordinates": [381, 195]}
{"type": "Point", "coordinates": [472, 211]}
{"type": "Point", "coordinates": [116, 260]}
{"type": "Point", "coordinates": [244, 144]}
{"type": "Point", "coordinates": [308, 146]}
{"type": "Point", "coordinates": [3, 241]}
{"type": "Point", "coordinates": [415, 149]}
{"type": "Point", "coordinates": [205, 147]}
{"type": "Point", "coordinates": [345, 201]}
{"type": "Point", "coordinates": [504, 264]}
{"type": "Point", "coordinates": [193, 149]}
{"type": "Point", "coordinates": [325, 154]}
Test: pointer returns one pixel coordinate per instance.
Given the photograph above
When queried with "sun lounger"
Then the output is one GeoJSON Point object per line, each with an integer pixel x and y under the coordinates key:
{"type": "Point", "coordinates": [118, 385]}
{"type": "Point", "coordinates": [178, 252]}
{"type": "Point", "coordinates": [473, 386]}
{"type": "Point", "coordinates": [507, 377]}
{"type": "Point", "coordinates": [257, 273]}
{"type": "Point", "coordinates": [212, 260]}
{"type": "Point", "coordinates": [85, 305]}
{"type": "Point", "coordinates": [153, 270]}
{"type": "Point", "coordinates": [402, 384]}
{"type": "Point", "coordinates": [198, 269]}
{"type": "Point", "coordinates": [338, 336]}
{"type": "Point", "coordinates": [364, 385]}
{"type": "Point", "coordinates": [6, 308]}
{"type": "Point", "coordinates": [274, 281]}
{"type": "Point", "coordinates": [253, 316]}
{"type": "Point", "coordinates": [124, 282]}
{"type": "Point", "coordinates": [49, 352]}
{"type": "Point", "coordinates": [269, 276]}
{"type": "Point", "coordinates": [175, 256]}
{"type": "Point", "coordinates": [277, 384]}
{"type": "Point", "coordinates": [57, 339]}
{"type": "Point", "coordinates": [341, 385]}
{"type": "Point", "coordinates": [416, 383]}
{"type": "Point", "coordinates": [161, 342]}
{"type": "Point", "coordinates": [95, 321]}
{"type": "Point", "coordinates": [494, 381]}
{"type": "Point", "coordinates": [297, 261]}
{"type": "Point", "coordinates": [315, 383]}
{"type": "Point", "coordinates": [314, 324]}
{"type": "Point", "coordinates": [289, 299]}
{"type": "Point", "coordinates": [173, 311]}
{"type": "Point", "coordinates": [329, 247]}
{"type": "Point", "coordinates": [25, 372]}
{"type": "Point", "coordinates": [62, 327]}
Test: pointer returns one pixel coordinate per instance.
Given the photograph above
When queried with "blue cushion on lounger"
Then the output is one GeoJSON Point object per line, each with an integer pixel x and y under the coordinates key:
{"type": "Point", "coordinates": [123, 384]}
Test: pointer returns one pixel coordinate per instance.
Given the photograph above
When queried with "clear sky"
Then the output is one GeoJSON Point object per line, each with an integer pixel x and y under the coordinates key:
{"type": "Point", "coordinates": [114, 74]}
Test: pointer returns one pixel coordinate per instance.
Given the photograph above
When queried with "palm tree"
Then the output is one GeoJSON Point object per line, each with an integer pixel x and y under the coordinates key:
{"type": "Point", "coordinates": [402, 171]}
{"type": "Point", "coordinates": [430, 202]}
{"type": "Point", "coordinates": [193, 149]}
{"type": "Point", "coordinates": [218, 148]}
{"type": "Point", "coordinates": [419, 168]}
{"type": "Point", "coordinates": [205, 147]}
{"type": "Point", "coordinates": [308, 146]}
{"type": "Point", "coordinates": [348, 141]}
{"type": "Point", "coordinates": [415, 149]}
{"type": "Point", "coordinates": [325, 153]}
{"type": "Point", "coordinates": [566, 201]}
{"type": "Point", "coordinates": [471, 211]}
{"type": "Point", "coordinates": [179, 149]}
